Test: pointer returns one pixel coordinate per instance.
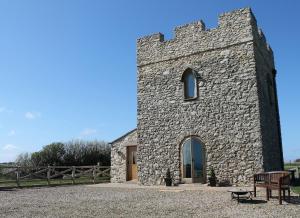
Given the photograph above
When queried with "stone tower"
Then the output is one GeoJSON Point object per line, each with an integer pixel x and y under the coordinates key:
{"type": "Point", "coordinates": [215, 88]}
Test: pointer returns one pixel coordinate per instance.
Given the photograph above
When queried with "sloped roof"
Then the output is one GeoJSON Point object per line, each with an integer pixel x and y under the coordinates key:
{"type": "Point", "coordinates": [123, 136]}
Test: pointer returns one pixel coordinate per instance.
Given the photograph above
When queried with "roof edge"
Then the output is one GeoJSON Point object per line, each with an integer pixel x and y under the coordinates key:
{"type": "Point", "coordinates": [121, 137]}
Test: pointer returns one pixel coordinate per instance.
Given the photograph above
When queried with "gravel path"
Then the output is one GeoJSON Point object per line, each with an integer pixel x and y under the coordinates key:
{"type": "Point", "coordinates": [102, 201]}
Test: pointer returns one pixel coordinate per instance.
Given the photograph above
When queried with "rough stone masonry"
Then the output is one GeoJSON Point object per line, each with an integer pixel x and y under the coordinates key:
{"type": "Point", "coordinates": [235, 114]}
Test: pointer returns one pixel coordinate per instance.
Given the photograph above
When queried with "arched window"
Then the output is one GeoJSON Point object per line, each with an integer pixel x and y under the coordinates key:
{"type": "Point", "coordinates": [189, 80]}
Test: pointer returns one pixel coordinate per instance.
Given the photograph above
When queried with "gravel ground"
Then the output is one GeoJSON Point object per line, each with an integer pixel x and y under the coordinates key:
{"type": "Point", "coordinates": [132, 201]}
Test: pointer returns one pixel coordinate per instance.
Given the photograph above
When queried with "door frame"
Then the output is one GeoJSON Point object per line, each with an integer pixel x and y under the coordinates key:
{"type": "Point", "coordinates": [193, 179]}
{"type": "Point", "coordinates": [127, 164]}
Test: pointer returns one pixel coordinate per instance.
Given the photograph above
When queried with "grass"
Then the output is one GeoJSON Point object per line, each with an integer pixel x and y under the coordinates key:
{"type": "Point", "coordinates": [288, 166]}
{"type": "Point", "coordinates": [53, 182]}
{"type": "Point", "coordinates": [296, 189]}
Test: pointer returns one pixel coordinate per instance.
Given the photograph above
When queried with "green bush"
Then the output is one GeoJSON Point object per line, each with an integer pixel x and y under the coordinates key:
{"type": "Point", "coordinates": [72, 153]}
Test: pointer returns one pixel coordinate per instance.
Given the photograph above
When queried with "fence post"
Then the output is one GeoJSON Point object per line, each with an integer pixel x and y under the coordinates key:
{"type": "Point", "coordinates": [94, 174]}
{"type": "Point", "coordinates": [18, 177]}
{"type": "Point", "coordinates": [73, 174]}
{"type": "Point", "coordinates": [48, 175]}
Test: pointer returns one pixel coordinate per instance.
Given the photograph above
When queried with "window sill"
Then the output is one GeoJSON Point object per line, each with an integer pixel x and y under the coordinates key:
{"type": "Point", "coordinates": [190, 99]}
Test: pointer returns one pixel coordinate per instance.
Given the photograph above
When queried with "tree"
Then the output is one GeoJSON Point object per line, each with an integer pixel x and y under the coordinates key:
{"type": "Point", "coordinates": [36, 159]}
{"type": "Point", "coordinates": [80, 152]}
{"type": "Point", "coordinates": [24, 159]}
{"type": "Point", "coordinates": [52, 154]}
{"type": "Point", "coordinates": [72, 153]}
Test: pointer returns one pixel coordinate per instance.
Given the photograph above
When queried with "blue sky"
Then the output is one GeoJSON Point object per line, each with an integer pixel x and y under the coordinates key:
{"type": "Point", "coordinates": [68, 67]}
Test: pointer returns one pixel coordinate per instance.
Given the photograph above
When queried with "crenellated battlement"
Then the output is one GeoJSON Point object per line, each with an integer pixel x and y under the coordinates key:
{"type": "Point", "coordinates": [225, 20]}
{"type": "Point", "coordinates": [234, 27]}
{"type": "Point", "coordinates": [154, 38]}
{"type": "Point", "coordinates": [185, 30]}
{"type": "Point", "coordinates": [235, 18]}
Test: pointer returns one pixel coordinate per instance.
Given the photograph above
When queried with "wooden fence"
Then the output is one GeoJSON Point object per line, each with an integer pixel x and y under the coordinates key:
{"type": "Point", "coordinates": [18, 174]}
{"type": "Point", "coordinates": [296, 170]}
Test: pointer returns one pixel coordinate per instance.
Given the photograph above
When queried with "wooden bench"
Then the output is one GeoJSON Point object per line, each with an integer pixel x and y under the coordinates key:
{"type": "Point", "coordinates": [261, 180]}
{"type": "Point", "coordinates": [276, 180]}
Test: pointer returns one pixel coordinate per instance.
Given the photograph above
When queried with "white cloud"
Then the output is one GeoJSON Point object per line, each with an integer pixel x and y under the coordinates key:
{"type": "Point", "coordinates": [9, 147]}
{"type": "Point", "coordinates": [12, 132]}
{"type": "Point", "coordinates": [32, 115]}
{"type": "Point", "coordinates": [9, 152]}
{"type": "Point", "coordinates": [88, 132]}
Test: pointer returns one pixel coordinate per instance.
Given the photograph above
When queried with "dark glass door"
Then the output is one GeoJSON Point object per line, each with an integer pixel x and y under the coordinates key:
{"type": "Point", "coordinates": [192, 161]}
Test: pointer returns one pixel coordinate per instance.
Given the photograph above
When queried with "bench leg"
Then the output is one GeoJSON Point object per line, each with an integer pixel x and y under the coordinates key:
{"type": "Point", "coordinates": [283, 194]}
{"type": "Point", "coordinates": [280, 199]}
{"type": "Point", "coordinates": [289, 194]}
{"type": "Point", "coordinates": [270, 193]}
{"type": "Point", "coordinates": [250, 196]}
{"type": "Point", "coordinates": [254, 191]}
{"type": "Point", "coordinates": [267, 192]}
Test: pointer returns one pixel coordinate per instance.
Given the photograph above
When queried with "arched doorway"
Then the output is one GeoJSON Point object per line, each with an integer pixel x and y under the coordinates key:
{"type": "Point", "coordinates": [193, 161]}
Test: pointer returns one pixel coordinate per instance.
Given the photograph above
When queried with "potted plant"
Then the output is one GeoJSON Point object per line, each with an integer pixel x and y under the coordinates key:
{"type": "Point", "coordinates": [212, 178]}
{"type": "Point", "coordinates": [168, 179]}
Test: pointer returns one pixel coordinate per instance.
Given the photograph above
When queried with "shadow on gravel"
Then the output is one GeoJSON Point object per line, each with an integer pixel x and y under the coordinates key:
{"type": "Point", "coordinates": [253, 201]}
{"type": "Point", "coordinates": [7, 189]}
{"type": "Point", "coordinates": [294, 200]}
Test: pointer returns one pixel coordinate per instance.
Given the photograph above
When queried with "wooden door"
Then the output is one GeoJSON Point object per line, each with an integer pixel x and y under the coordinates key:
{"type": "Point", "coordinates": [131, 163]}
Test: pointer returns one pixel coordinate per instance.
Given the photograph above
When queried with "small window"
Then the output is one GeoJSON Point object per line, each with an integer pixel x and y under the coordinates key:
{"type": "Point", "coordinates": [190, 84]}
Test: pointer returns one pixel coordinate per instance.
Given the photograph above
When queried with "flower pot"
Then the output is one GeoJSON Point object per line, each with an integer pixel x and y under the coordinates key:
{"type": "Point", "coordinates": [168, 181]}
{"type": "Point", "coordinates": [212, 182]}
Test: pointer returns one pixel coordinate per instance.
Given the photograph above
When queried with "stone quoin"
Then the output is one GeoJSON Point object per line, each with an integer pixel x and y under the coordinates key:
{"type": "Point", "coordinates": [206, 99]}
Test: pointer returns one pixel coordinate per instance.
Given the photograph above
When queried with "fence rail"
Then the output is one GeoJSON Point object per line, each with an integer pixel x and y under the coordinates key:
{"type": "Point", "coordinates": [296, 170]}
{"type": "Point", "coordinates": [18, 174]}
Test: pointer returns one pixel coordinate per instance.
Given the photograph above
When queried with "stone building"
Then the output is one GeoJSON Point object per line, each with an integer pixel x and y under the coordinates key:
{"type": "Point", "coordinates": [206, 99]}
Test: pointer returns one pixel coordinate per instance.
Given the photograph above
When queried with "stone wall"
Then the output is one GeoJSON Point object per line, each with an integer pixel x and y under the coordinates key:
{"type": "Point", "coordinates": [270, 124]}
{"type": "Point", "coordinates": [226, 115]}
{"type": "Point", "coordinates": [118, 156]}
